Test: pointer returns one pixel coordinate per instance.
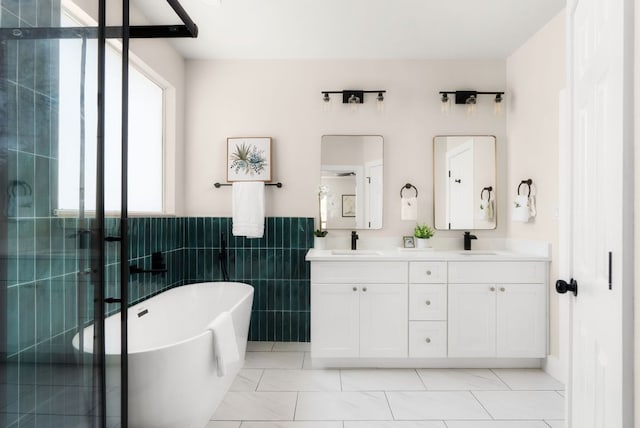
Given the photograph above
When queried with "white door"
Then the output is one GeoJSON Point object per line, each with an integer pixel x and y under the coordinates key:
{"type": "Point", "coordinates": [374, 189]}
{"type": "Point", "coordinates": [472, 320]}
{"type": "Point", "coordinates": [521, 325]}
{"type": "Point", "coordinates": [600, 379]}
{"type": "Point", "coordinates": [334, 320]}
{"type": "Point", "coordinates": [384, 315]}
{"type": "Point", "coordinates": [460, 187]}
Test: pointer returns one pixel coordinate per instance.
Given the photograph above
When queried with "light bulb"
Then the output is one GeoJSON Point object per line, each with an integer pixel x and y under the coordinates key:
{"type": "Point", "coordinates": [326, 102]}
{"type": "Point", "coordinates": [380, 101]}
{"type": "Point", "coordinates": [445, 103]}
{"type": "Point", "coordinates": [471, 104]}
{"type": "Point", "coordinates": [353, 103]}
{"type": "Point", "coordinates": [497, 106]}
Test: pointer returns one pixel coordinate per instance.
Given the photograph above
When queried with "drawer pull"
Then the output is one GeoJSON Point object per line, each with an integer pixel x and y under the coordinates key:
{"type": "Point", "coordinates": [492, 289]}
{"type": "Point", "coordinates": [428, 302]}
{"type": "Point", "coordinates": [502, 289]}
{"type": "Point", "coordinates": [428, 340]}
{"type": "Point", "coordinates": [364, 288]}
{"type": "Point", "coordinates": [355, 288]}
{"type": "Point", "coordinates": [428, 272]}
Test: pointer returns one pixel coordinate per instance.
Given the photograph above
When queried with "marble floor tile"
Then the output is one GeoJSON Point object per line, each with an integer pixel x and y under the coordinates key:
{"type": "Point", "coordinates": [293, 424]}
{"type": "Point", "coordinates": [528, 379]}
{"type": "Point", "coordinates": [299, 380]}
{"type": "Point", "coordinates": [438, 405]}
{"type": "Point", "coordinates": [246, 380]}
{"type": "Point", "coordinates": [223, 424]}
{"type": "Point", "coordinates": [380, 380]}
{"type": "Point", "coordinates": [522, 405]}
{"type": "Point", "coordinates": [557, 424]}
{"type": "Point", "coordinates": [292, 346]}
{"type": "Point", "coordinates": [273, 360]}
{"type": "Point", "coordinates": [496, 424]}
{"type": "Point", "coordinates": [259, 346]}
{"type": "Point", "coordinates": [307, 361]}
{"type": "Point", "coordinates": [260, 406]}
{"type": "Point", "coordinates": [394, 424]}
{"type": "Point", "coordinates": [460, 379]}
{"type": "Point", "coordinates": [342, 406]}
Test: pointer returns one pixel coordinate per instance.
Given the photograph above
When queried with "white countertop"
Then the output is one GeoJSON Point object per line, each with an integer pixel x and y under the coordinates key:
{"type": "Point", "coordinates": [402, 254]}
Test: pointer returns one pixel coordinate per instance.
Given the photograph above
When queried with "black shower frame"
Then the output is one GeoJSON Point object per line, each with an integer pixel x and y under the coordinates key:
{"type": "Point", "coordinates": [102, 32]}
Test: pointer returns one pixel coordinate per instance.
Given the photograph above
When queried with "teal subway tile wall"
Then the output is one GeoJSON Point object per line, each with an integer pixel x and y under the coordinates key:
{"type": "Point", "coordinates": [274, 265]}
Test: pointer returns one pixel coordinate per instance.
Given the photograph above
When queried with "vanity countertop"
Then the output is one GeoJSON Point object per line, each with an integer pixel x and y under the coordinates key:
{"type": "Point", "coordinates": [401, 254]}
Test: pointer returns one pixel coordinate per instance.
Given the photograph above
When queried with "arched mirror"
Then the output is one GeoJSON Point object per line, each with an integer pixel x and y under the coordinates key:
{"type": "Point", "coordinates": [351, 173]}
{"type": "Point", "coordinates": [464, 177]}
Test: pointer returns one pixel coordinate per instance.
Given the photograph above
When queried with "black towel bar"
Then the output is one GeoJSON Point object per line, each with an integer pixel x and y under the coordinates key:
{"type": "Point", "coordinates": [218, 185]}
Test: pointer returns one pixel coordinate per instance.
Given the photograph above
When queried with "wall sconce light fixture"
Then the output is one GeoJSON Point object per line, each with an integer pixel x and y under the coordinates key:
{"type": "Point", "coordinates": [469, 98]}
{"type": "Point", "coordinates": [353, 97]}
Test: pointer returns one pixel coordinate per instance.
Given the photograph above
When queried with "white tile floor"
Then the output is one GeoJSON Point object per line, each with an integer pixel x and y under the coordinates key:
{"type": "Point", "coordinates": [279, 389]}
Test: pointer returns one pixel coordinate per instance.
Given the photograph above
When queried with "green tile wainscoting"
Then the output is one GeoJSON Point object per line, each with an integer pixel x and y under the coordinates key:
{"type": "Point", "coordinates": [43, 275]}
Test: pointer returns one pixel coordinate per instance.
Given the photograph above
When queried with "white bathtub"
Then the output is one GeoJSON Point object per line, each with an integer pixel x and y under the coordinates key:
{"type": "Point", "coordinates": [173, 379]}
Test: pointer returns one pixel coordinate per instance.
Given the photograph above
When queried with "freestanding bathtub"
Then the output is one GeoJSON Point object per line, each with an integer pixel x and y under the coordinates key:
{"type": "Point", "coordinates": [173, 377]}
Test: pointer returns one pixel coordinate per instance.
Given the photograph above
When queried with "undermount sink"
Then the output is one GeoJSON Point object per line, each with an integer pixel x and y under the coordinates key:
{"type": "Point", "coordinates": [356, 253]}
{"type": "Point", "coordinates": [478, 253]}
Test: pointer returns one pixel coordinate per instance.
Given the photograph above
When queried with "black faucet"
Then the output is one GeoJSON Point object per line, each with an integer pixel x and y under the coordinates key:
{"type": "Point", "coordinates": [354, 238]}
{"type": "Point", "coordinates": [467, 240]}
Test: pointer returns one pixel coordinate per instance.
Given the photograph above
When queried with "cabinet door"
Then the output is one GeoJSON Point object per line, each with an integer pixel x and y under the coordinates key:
{"type": "Point", "coordinates": [334, 320]}
{"type": "Point", "coordinates": [472, 320]}
{"type": "Point", "coordinates": [384, 320]}
{"type": "Point", "coordinates": [521, 325]}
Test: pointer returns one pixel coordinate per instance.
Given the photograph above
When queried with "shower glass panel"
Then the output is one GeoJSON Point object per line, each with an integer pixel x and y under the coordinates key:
{"type": "Point", "coordinates": [55, 266]}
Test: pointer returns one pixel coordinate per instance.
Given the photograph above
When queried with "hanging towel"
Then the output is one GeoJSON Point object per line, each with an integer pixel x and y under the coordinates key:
{"type": "Point", "coordinates": [225, 346]}
{"type": "Point", "coordinates": [520, 211]}
{"type": "Point", "coordinates": [409, 208]}
{"type": "Point", "coordinates": [486, 210]}
{"type": "Point", "coordinates": [248, 209]}
{"type": "Point", "coordinates": [532, 206]}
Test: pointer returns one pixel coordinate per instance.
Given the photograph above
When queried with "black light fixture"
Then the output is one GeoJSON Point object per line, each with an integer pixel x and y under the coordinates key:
{"type": "Point", "coordinates": [355, 96]}
{"type": "Point", "coordinates": [469, 98]}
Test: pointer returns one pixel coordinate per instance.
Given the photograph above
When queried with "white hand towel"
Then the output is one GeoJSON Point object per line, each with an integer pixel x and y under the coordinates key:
{"type": "Point", "coordinates": [248, 209]}
{"type": "Point", "coordinates": [409, 208]}
{"type": "Point", "coordinates": [225, 346]}
{"type": "Point", "coordinates": [490, 211]}
{"type": "Point", "coordinates": [520, 211]}
{"type": "Point", "coordinates": [532, 206]}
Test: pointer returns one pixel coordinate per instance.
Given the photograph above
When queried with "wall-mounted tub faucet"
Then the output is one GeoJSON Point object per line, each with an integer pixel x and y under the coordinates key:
{"type": "Point", "coordinates": [354, 240]}
{"type": "Point", "coordinates": [467, 240]}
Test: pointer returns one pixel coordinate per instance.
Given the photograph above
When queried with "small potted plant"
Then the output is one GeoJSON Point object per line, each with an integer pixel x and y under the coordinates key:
{"type": "Point", "coordinates": [319, 239]}
{"type": "Point", "coordinates": [422, 234]}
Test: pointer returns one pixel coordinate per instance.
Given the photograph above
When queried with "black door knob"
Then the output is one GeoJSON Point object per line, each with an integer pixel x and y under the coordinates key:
{"type": "Point", "coordinates": [562, 286]}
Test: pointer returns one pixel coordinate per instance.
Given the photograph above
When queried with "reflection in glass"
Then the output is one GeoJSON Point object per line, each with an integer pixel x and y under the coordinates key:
{"type": "Point", "coordinates": [464, 182]}
{"type": "Point", "coordinates": [351, 182]}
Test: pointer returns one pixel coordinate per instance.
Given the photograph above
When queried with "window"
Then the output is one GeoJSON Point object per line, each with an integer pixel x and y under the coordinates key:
{"type": "Point", "coordinates": [146, 131]}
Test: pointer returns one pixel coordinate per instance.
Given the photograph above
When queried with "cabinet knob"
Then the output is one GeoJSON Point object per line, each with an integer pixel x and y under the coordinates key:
{"type": "Point", "coordinates": [502, 289]}
{"type": "Point", "coordinates": [355, 288]}
{"type": "Point", "coordinates": [428, 302]}
{"type": "Point", "coordinates": [428, 340]}
{"type": "Point", "coordinates": [364, 288]}
{"type": "Point", "coordinates": [428, 272]}
{"type": "Point", "coordinates": [493, 289]}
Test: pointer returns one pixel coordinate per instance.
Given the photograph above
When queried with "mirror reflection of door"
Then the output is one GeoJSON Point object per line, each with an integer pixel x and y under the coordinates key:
{"type": "Point", "coordinates": [460, 186]}
{"type": "Point", "coordinates": [464, 182]}
{"type": "Point", "coordinates": [351, 176]}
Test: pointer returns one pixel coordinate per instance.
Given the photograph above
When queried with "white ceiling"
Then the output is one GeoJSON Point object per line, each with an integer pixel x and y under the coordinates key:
{"type": "Point", "coordinates": [407, 29]}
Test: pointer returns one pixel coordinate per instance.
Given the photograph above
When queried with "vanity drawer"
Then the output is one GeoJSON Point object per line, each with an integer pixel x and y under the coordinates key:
{"type": "Point", "coordinates": [497, 272]}
{"type": "Point", "coordinates": [428, 272]}
{"type": "Point", "coordinates": [427, 339]}
{"type": "Point", "coordinates": [359, 272]}
{"type": "Point", "coordinates": [428, 302]}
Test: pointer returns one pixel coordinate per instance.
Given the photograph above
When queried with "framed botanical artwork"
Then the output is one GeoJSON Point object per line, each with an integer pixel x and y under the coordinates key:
{"type": "Point", "coordinates": [249, 159]}
{"type": "Point", "coordinates": [348, 205]}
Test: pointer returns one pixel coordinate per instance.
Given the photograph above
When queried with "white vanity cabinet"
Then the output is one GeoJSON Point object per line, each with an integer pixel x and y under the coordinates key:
{"type": "Point", "coordinates": [359, 310]}
{"type": "Point", "coordinates": [497, 309]}
{"type": "Point", "coordinates": [427, 309]}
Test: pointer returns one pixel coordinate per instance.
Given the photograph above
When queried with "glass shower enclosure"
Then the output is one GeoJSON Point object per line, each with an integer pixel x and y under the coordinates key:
{"type": "Point", "coordinates": [63, 267]}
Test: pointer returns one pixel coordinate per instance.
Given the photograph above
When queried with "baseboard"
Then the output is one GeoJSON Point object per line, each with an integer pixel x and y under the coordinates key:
{"type": "Point", "coordinates": [554, 366]}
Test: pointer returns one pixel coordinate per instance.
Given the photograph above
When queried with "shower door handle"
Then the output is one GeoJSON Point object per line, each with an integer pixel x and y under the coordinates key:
{"type": "Point", "coordinates": [112, 300]}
